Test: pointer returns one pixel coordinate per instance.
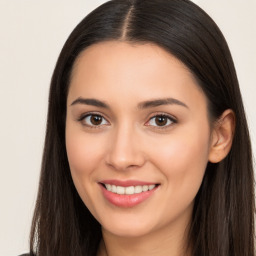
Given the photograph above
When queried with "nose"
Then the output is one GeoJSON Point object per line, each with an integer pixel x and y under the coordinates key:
{"type": "Point", "coordinates": [125, 149]}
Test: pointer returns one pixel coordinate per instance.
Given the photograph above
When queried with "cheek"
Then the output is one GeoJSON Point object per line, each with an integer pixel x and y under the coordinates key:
{"type": "Point", "coordinates": [84, 156]}
{"type": "Point", "coordinates": [83, 152]}
{"type": "Point", "coordinates": [183, 159]}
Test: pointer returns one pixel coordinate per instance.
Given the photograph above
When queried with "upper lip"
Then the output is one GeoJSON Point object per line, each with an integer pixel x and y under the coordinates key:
{"type": "Point", "coordinates": [127, 183]}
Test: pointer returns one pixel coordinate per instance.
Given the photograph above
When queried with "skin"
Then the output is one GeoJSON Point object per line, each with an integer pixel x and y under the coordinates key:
{"type": "Point", "coordinates": [130, 145]}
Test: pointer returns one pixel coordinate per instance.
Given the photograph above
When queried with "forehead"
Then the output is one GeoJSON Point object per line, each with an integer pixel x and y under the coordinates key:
{"type": "Point", "coordinates": [128, 70]}
{"type": "Point", "coordinates": [111, 54]}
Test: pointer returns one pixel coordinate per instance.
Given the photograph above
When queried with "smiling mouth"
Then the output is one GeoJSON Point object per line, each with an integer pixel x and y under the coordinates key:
{"type": "Point", "coordinates": [131, 190]}
{"type": "Point", "coordinates": [127, 193]}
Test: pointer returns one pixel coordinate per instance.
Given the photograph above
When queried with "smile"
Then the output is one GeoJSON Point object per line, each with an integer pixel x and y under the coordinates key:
{"type": "Point", "coordinates": [127, 193]}
{"type": "Point", "coordinates": [128, 190]}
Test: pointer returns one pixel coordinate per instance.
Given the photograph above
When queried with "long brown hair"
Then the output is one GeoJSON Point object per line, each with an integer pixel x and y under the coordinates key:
{"type": "Point", "coordinates": [223, 216]}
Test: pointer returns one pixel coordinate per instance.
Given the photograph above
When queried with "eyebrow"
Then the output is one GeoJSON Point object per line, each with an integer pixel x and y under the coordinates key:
{"type": "Point", "coordinates": [142, 105]}
{"type": "Point", "coordinates": [91, 102]}
{"type": "Point", "coordinates": [160, 102]}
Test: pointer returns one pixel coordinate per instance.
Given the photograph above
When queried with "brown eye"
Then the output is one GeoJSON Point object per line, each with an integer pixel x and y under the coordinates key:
{"type": "Point", "coordinates": [161, 121]}
{"type": "Point", "coordinates": [94, 120]}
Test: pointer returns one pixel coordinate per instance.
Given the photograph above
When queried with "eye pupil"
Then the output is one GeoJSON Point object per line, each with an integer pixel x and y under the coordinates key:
{"type": "Point", "coordinates": [96, 120]}
{"type": "Point", "coordinates": [161, 120]}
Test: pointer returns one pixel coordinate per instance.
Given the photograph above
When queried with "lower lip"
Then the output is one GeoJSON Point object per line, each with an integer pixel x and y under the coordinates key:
{"type": "Point", "coordinates": [126, 200]}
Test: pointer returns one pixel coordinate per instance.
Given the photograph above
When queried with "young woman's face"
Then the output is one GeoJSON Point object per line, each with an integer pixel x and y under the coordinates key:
{"type": "Point", "coordinates": [137, 136]}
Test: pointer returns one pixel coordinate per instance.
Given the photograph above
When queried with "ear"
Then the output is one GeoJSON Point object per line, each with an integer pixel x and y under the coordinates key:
{"type": "Point", "coordinates": [222, 136]}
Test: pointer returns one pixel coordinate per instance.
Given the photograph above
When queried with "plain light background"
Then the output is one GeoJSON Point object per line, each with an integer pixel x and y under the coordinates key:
{"type": "Point", "coordinates": [32, 34]}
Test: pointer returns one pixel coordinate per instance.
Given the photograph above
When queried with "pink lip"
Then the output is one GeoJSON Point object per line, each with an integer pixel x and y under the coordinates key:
{"type": "Point", "coordinates": [126, 201]}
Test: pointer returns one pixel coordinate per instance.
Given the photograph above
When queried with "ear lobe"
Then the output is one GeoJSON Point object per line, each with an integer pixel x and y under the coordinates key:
{"type": "Point", "coordinates": [222, 136]}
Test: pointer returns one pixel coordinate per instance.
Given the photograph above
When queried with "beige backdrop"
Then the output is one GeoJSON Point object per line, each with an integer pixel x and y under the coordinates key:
{"type": "Point", "coordinates": [32, 34]}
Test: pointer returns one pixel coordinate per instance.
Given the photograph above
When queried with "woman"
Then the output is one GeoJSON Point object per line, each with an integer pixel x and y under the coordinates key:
{"type": "Point", "coordinates": [147, 150]}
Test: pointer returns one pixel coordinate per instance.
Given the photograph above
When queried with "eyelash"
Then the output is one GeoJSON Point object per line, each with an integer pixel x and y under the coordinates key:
{"type": "Point", "coordinates": [169, 118]}
{"type": "Point", "coordinates": [83, 117]}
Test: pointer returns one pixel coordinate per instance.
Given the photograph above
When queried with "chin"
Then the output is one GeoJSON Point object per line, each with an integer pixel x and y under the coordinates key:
{"type": "Point", "coordinates": [128, 232]}
{"type": "Point", "coordinates": [128, 227]}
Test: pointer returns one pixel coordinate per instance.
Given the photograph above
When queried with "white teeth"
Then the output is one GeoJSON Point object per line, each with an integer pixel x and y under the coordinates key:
{"type": "Point", "coordinates": [113, 188]}
{"type": "Point", "coordinates": [145, 188]}
{"type": "Point", "coordinates": [138, 189]}
{"type": "Point", "coordinates": [150, 187]}
{"type": "Point", "coordinates": [120, 190]}
{"type": "Point", "coordinates": [108, 186]}
{"type": "Point", "coordinates": [128, 190]}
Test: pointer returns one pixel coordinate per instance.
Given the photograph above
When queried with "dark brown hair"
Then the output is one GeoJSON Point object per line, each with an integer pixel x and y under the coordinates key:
{"type": "Point", "coordinates": [223, 216]}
